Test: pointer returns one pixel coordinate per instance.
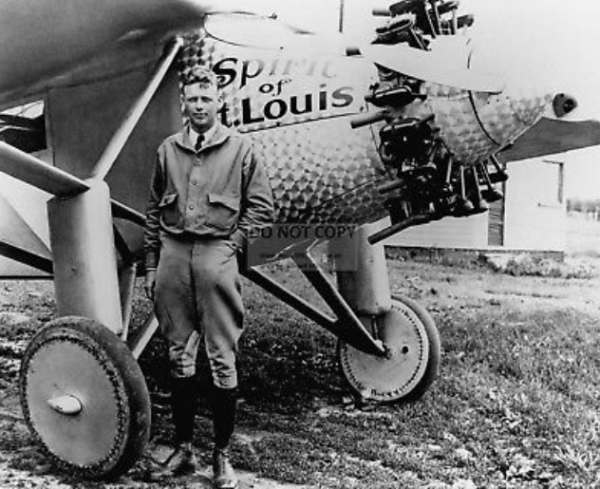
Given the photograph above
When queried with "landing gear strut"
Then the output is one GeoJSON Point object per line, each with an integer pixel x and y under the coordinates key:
{"type": "Point", "coordinates": [405, 328]}
{"type": "Point", "coordinates": [388, 348]}
{"type": "Point", "coordinates": [82, 392]}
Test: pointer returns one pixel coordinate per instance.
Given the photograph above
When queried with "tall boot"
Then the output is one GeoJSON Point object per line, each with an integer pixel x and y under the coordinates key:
{"type": "Point", "coordinates": [224, 403]}
{"type": "Point", "coordinates": [184, 395]}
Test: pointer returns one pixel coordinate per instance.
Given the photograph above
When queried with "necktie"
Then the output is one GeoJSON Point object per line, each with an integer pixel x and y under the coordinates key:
{"type": "Point", "coordinates": [199, 141]}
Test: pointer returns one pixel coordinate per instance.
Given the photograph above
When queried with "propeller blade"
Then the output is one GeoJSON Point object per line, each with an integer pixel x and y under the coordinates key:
{"type": "Point", "coordinates": [267, 32]}
{"type": "Point", "coordinates": [427, 66]}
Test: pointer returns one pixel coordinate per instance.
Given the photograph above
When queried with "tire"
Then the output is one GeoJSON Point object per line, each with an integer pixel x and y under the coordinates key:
{"type": "Point", "coordinates": [435, 354]}
{"type": "Point", "coordinates": [81, 359]}
{"type": "Point", "coordinates": [413, 342]}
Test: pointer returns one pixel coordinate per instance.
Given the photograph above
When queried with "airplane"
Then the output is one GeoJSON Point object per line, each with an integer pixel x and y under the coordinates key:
{"type": "Point", "coordinates": [348, 134]}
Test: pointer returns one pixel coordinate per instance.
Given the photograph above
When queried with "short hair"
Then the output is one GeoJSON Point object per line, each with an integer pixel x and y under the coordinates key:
{"type": "Point", "coordinates": [201, 75]}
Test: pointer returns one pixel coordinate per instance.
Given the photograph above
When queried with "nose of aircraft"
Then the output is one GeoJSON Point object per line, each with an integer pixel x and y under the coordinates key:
{"type": "Point", "coordinates": [502, 118]}
{"type": "Point", "coordinates": [477, 124]}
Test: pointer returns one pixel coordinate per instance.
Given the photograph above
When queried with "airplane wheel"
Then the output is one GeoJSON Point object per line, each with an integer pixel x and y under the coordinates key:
{"type": "Point", "coordinates": [84, 398]}
{"type": "Point", "coordinates": [410, 334]}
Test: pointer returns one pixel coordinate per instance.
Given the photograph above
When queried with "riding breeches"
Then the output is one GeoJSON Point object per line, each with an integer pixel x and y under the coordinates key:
{"type": "Point", "coordinates": [198, 292]}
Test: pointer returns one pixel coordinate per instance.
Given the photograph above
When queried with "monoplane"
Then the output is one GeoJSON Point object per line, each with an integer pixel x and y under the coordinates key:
{"type": "Point", "coordinates": [349, 135]}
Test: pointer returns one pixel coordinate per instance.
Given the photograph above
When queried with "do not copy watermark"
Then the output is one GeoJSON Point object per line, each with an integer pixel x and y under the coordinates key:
{"type": "Point", "coordinates": [301, 231]}
{"type": "Point", "coordinates": [290, 239]}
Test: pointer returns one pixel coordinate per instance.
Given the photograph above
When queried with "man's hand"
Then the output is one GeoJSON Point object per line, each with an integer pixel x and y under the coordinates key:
{"type": "Point", "coordinates": [150, 283]}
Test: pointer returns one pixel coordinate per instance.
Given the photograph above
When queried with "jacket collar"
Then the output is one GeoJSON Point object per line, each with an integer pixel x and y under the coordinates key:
{"type": "Point", "coordinates": [220, 134]}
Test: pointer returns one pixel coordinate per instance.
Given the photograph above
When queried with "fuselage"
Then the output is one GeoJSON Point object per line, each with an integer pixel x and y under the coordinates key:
{"type": "Point", "coordinates": [298, 111]}
{"type": "Point", "coordinates": [297, 107]}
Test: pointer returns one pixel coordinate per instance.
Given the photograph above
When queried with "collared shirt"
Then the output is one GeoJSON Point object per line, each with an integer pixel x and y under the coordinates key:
{"type": "Point", "coordinates": [194, 135]}
{"type": "Point", "coordinates": [219, 191]}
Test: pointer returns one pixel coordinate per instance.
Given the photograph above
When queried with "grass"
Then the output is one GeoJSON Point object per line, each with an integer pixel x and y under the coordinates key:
{"type": "Point", "coordinates": [515, 406]}
{"type": "Point", "coordinates": [508, 397]}
{"type": "Point", "coordinates": [526, 264]}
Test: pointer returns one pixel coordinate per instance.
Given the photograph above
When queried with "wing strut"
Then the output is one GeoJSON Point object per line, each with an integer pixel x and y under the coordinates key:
{"type": "Point", "coordinates": [121, 135]}
{"type": "Point", "coordinates": [38, 173]}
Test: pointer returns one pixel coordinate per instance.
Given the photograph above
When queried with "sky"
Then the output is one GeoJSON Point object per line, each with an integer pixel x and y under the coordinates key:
{"type": "Point", "coordinates": [543, 43]}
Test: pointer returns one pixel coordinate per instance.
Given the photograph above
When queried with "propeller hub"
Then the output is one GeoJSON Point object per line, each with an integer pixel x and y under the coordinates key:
{"type": "Point", "coordinates": [563, 104]}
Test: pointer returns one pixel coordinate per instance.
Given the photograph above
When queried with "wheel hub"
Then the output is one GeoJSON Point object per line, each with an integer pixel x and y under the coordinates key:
{"type": "Point", "coordinates": [63, 373]}
{"type": "Point", "coordinates": [68, 405]}
{"type": "Point", "coordinates": [395, 375]}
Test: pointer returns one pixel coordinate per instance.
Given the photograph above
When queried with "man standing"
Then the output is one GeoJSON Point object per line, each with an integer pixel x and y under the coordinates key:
{"type": "Point", "coordinates": [208, 193]}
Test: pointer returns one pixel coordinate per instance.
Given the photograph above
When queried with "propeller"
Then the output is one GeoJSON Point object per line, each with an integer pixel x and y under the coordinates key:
{"type": "Point", "coordinates": [427, 66]}
{"type": "Point", "coordinates": [267, 32]}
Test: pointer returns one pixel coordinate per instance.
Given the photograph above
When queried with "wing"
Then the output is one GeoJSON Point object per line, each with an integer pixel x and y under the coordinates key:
{"type": "Point", "coordinates": [550, 136]}
{"type": "Point", "coordinates": [58, 43]}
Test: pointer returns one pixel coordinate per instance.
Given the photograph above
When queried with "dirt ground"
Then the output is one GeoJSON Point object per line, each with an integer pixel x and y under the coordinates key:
{"type": "Point", "coordinates": [515, 404]}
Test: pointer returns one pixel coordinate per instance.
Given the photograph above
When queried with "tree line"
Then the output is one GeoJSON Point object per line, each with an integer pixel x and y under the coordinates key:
{"type": "Point", "coordinates": [583, 205]}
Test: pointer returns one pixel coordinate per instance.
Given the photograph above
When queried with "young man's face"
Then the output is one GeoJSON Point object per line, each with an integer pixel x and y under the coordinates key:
{"type": "Point", "coordinates": [201, 103]}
